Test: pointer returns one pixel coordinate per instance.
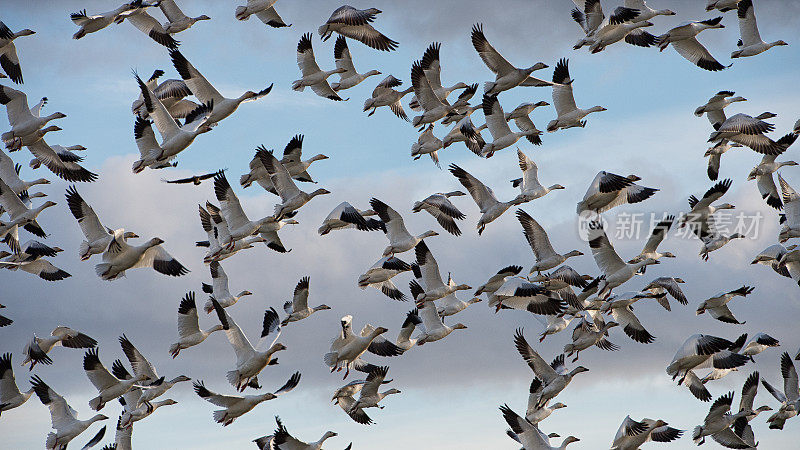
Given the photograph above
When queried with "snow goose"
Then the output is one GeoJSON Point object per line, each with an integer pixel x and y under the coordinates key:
{"type": "Point", "coordinates": [90, 24]}
{"type": "Point", "coordinates": [216, 230]}
{"type": "Point", "coordinates": [97, 237]}
{"type": "Point", "coordinates": [400, 240]}
{"type": "Point", "coordinates": [349, 78]}
{"type": "Point", "coordinates": [189, 332]}
{"type": "Point", "coordinates": [250, 361]}
{"type": "Point", "coordinates": [432, 327]}
{"type": "Point", "coordinates": [762, 173]}
{"type": "Point", "coordinates": [759, 343]}
{"type": "Point", "coordinates": [715, 373]}
{"type": "Point", "coordinates": [10, 396]}
{"type": "Point", "coordinates": [108, 386]}
{"type": "Point", "coordinates": [528, 434]}
{"type": "Point", "coordinates": [632, 434]}
{"type": "Point", "coordinates": [616, 271]}
{"type": "Point", "coordinates": [717, 305]}
{"type": "Point", "coordinates": [369, 396]}
{"type": "Point", "coordinates": [519, 293]}
{"type": "Point", "coordinates": [435, 288]}
{"type": "Point", "coordinates": [23, 122]}
{"type": "Point", "coordinates": [344, 397]}
{"type": "Point", "coordinates": [721, 5]}
{"type": "Point", "coordinates": [484, 197]}
{"type": "Point", "coordinates": [535, 414]}
{"type": "Point", "coordinates": [657, 235]}
{"type": "Point", "coordinates": [281, 439]}
{"type": "Point", "coordinates": [8, 52]}
{"type": "Point", "coordinates": [684, 40]}
{"type": "Point", "coordinates": [19, 214]}
{"type": "Point", "coordinates": [529, 184]}
{"type": "Point", "coordinates": [207, 93]}
{"type": "Point", "coordinates": [234, 405]}
{"type": "Point", "coordinates": [174, 138]}
{"type": "Point", "coordinates": [134, 414]}
{"type": "Point", "coordinates": [601, 33]}
{"type": "Point", "coordinates": [66, 154]}
{"type": "Point", "coordinates": [264, 10]}
{"type": "Point", "coordinates": [502, 136]}
{"type": "Point", "coordinates": [714, 155]}
{"type": "Point", "coordinates": [36, 349]}
{"type": "Point", "coordinates": [718, 423]}
{"type": "Point", "coordinates": [711, 238]}
{"type": "Point", "coordinates": [750, 42]}
{"type": "Point", "coordinates": [697, 217]}
{"type": "Point", "coordinates": [194, 179]}
{"type": "Point", "coordinates": [506, 75]}
{"type": "Point", "coordinates": [621, 310]}
{"type": "Point", "coordinates": [432, 67]}
{"type": "Point", "coordinates": [384, 94]}
{"type": "Point", "coordinates": [696, 385]}
{"type": "Point", "coordinates": [561, 281]}
{"type": "Point", "coordinates": [172, 94]}
{"type": "Point", "coordinates": [442, 209]}
{"type": "Point", "coordinates": [554, 376]}
{"type": "Point", "coordinates": [404, 340]}
{"type": "Point", "coordinates": [742, 427]}
{"type": "Point", "coordinates": [495, 281]}
{"type": "Point", "coordinates": [312, 75]}
{"type": "Point", "coordinates": [292, 160]}
{"type": "Point", "coordinates": [714, 107]}
{"type": "Point", "coordinates": [667, 285]}
{"type": "Point", "coordinates": [380, 276]}
{"type": "Point", "coordinates": [9, 173]}
{"type": "Point", "coordinates": [64, 419]}
{"type": "Point", "coordinates": [771, 256]}
{"type": "Point", "coordinates": [177, 21]}
{"type": "Point", "coordinates": [120, 256]}
{"type": "Point", "coordinates": [355, 24]}
{"type": "Point", "coordinates": [569, 115]}
{"type": "Point", "coordinates": [66, 170]}
{"type": "Point", "coordinates": [450, 304]}
{"type": "Point", "coordinates": [791, 212]}
{"type": "Point", "coordinates": [749, 131]}
{"type": "Point", "coordinates": [789, 398]}
{"type": "Point", "coordinates": [347, 348]}
{"type": "Point", "coordinates": [218, 289]}
{"type": "Point", "coordinates": [586, 334]}
{"type": "Point", "coordinates": [608, 190]}
{"type": "Point", "coordinates": [521, 118]}
{"type": "Point", "coordinates": [292, 198]}
{"type": "Point", "coordinates": [148, 25]}
{"type": "Point", "coordinates": [31, 261]}
{"type": "Point", "coordinates": [645, 11]}
{"type": "Point", "coordinates": [546, 256]}
{"type": "Point", "coordinates": [701, 351]}
{"type": "Point", "coordinates": [239, 225]}
{"type": "Point", "coordinates": [433, 107]}
{"type": "Point", "coordinates": [298, 308]}
{"type": "Point", "coordinates": [346, 215]}
{"type": "Point", "coordinates": [427, 143]}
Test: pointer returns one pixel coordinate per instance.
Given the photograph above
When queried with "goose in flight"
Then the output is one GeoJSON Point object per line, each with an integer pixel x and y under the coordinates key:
{"type": "Point", "coordinates": [346, 215]}
{"type": "Point", "coordinates": [609, 190]}
{"type": "Point", "coordinates": [789, 397]}
{"type": "Point", "coordinates": [587, 334]}
{"type": "Point", "coordinates": [616, 270]}
{"type": "Point", "coordinates": [384, 94]}
{"type": "Point", "coordinates": [432, 327]}
{"type": "Point", "coordinates": [9, 60]}
{"type": "Point", "coordinates": [282, 439]}
{"type": "Point", "coordinates": [521, 117]}
{"type": "Point", "coordinates": [400, 240]}
{"type": "Point", "coordinates": [750, 42]}
{"type": "Point", "coordinates": [431, 65]}
{"type": "Point", "coordinates": [714, 107]}
{"type": "Point", "coordinates": [194, 179]}
{"type": "Point", "coordinates": [108, 385]}
{"type": "Point", "coordinates": [704, 351]}
{"type": "Point", "coordinates": [791, 213]}
{"type": "Point", "coordinates": [502, 136]}
{"type": "Point", "coordinates": [235, 405]}
{"type": "Point", "coordinates": [16, 143]}
{"type": "Point", "coordinates": [131, 414]}
{"type": "Point", "coordinates": [717, 305]}
{"type": "Point", "coordinates": [433, 107]}
{"type": "Point", "coordinates": [506, 75]}
{"type": "Point", "coordinates": [617, 27]}
{"type": "Point", "coordinates": [721, 5]}
{"type": "Point", "coordinates": [344, 397]}
{"type": "Point", "coordinates": [657, 236]}
{"type": "Point", "coordinates": [632, 434]}
{"type": "Point", "coordinates": [24, 123]}
{"type": "Point", "coordinates": [484, 197]}
{"type": "Point", "coordinates": [762, 173]}
{"type": "Point", "coordinates": [31, 259]}
{"type": "Point", "coordinates": [298, 308]}
{"type": "Point", "coordinates": [207, 94]}
{"type": "Point", "coordinates": [238, 224]}
{"type": "Point", "coordinates": [189, 332]}
{"type": "Point", "coordinates": [93, 23]}
{"type": "Point", "coordinates": [561, 281]}
{"type": "Point", "coordinates": [432, 279]}
{"type": "Point", "coordinates": [528, 434]}
{"type": "Point", "coordinates": [350, 77]}
{"type": "Point", "coordinates": [369, 396]}
{"type": "Point", "coordinates": [347, 348]}
{"type": "Point", "coordinates": [292, 198]}
{"type": "Point", "coordinates": [356, 24]}
{"type": "Point", "coordinates": [36, 349]}
{"type": "Point", "coordinates": [218, 289]}
{"type": "Point", "coordinates": [264, 10]}
{"type": "Point", "coordinates": [759, 343]}
{"type": "Point", "coordinates": [50, 157]}
{"type": "Point", "coordinates": [9, 173]}
{"type": "Point", "coordinates": [177, 21]}
{"type": "Point", "coordinates": [535, 414]}
{"type": "Point", "coordinates": [156, 385]}
{"type": "Point", "coordinates": [150, 26]}
{"type": "Point", "coordinates": [442, 209]}
{"type": "Point", "coordinates": [771, 256]}
{"type": "Point", "coordinates": [742, 428]}
{"type": "Point", "coordinates": [718, 424]}
{"type": "Point", "coordinates": [554, 376]}
{"type": "Point", "coordinates": [667, 285]}
{"type": "Point", "coordinates": [10, 395]}
{"type": "Point", "coordinates": [19, 215]}
{"type": "Point", "coordinates": [621, 310]}
{"type": "Point", "coordinates": [714, 155]}
{"type": "Point", "coordinates": [529, 184]}
{"type": "Point", "coordinates": [684, 40]}
{"type": "Point", "coordinates": [380, 277]}
{"type": "Point", "coordinates": [546, 256]}
{"type": "Point", "coordinates": [64, 419]}
{"type": "Point", "coordinates": [120, 256]}
{"type": "Point", "coordinates": [703, 207]}
{"type": "Point", "coordinates": [171, 92]}
{"type": "Point", "coordinates": [749, 131]}
{"type": "Point", "coordinates": [568, 113]}
{"type": "Point", "coordinates": [312, 75]}
{"type": "Point", "coordinates": [519, 293]}
{"type": "Point", "coordinates": [292, 160]}
{"type": "Point", "coordinates": [219, 238]}
{"type": "Point", "coordinates": [427, 143]}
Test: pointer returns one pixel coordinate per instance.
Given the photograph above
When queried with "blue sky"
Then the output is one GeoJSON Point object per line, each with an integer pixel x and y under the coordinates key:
{"type": "Point", "coordinates": [451, 389]}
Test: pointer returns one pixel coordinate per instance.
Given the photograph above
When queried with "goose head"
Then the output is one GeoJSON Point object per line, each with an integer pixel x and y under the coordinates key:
{"type": "Point", "coordinates": [50, 128]}
{"type": "Point", "coordinates": [711, 23]}
{"type": "Point", "coordinates": [569, 440]}
{"type": "Point", "coordinates": [596, 109]}
{"type": "Point", "coordinates": [319, 157]}
{"type": "Point", "coordinates": [392, 391]}
{"type": "Point", "coordinates": [37, 195]}
{"type": "Point", "coordinates": [557, 405]}
{"type": "Point", "coordinates": [474, 300]}
{"type": "Point", "coordinates": [609, 325]}
{"type": "Point", "coordinates": [56, 115]}
{"type": "Point", "coordinates": [462, 287]}
{"type": "Point", "coordinates": [202, 17]}
{"type": "Point", "coordinates": [371, 73]}
{"type": "Point", "coordinates": [215, 328]}
{"type": "Point", "coordinates": [788, 163]}
{"type": "Point", "coordinates": [180, 378]}
{"type": "Point", "coordinates": [276, 347]}
{"type": "Point", "coordinates": [777, 43]}
{"type": "Point", "coordinates": [427, 234]}
{"type": "Point", "coordinates": [243, 293]}
{"type": "Point", "coordinates": [47, 204]}
{"type": "Point", "coordinates": [130, 235]}
{"type": "Point", "coordinates": [573, 253]}
{"type": "Point", "coordinates": [725, 206]}
{"type": "Point", "coordinates": [634, 177]}
{"type": "Point", "coordinates": [665, 12]}
{"type": "Point", "coordinates": [578, 370]}
{"type": "Point", "coordinates": [154, 241]}
{"type": "Point", "coordinates": [247, 96]}
{"type": "Point", "coordinates": [556, 186]}
{"type": "Point", "coordinates": [368, 103]}
{"type": "Point", "coordinates": [328, 435]}
{"type": "Point", "coordinates": [537, 66]}
{"type": "Point", "coordinates": [319, 192]}
{"type": "Point", "coordinates": [322, 307]}
{"type": "Point", "coordinates": [668, 255]}
{"type": "Point", "coordinates": [40, 181]}
{"type": "Point", "coordinates": [25, 32]}
{"type": "Point", "coordinates": [98, 417]}
{"type": "Point", "coordinates": [459, 326]}
{"type": "Point", "coordinates": [166, 402]}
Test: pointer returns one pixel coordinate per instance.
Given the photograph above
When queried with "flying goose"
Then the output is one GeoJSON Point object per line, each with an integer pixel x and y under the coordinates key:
{"type": "Point", "coordinates": [484, 197]}
{"type": "Point", "coordinates": [400, 240]}
{"type": "Point", "coordinates": [771, 256]}
{"type": "Point", "coordinates": [442, 209]}
{"type": "Point", "coordinates": [749, 131]}
{"type": "Point", "coordinates": [791, 212]}
{"type": "Point", "coordinates": [502, 136]}
{"type": "Point", "coordinates": [281, 439]}
{"type": "Point", "coordinates": [615, 269]}
{"type": "Point", "coordinates": [762, 173]}
{"type": "Point", "coordinates": [506, 75]}
{"type": "Point", "coordinates": [122, 437]}
{"type": "Point", "coordinates": [789, 398]}
{"type": "Point", "coordinates": [427, 143]}
{"type": "Point", "coordinates": [667, 285]}
{"type": "Point", "coordinates": [9, 60]}
{"type": "Point", "coordinates": [608, 190]}
{"type": "Point", "coordinates": [384, 94]}
{"type": "Point", "coordinates": [657, 235]}
{"type": "Point", "coordinates": [292, 198]}
{"type": "Point", "coordinates": [264, 10]}
{"type": "Point", "coordinates": [528, 434]}
{"type": "Point", "coordinates": [298, 308]}
{"type": "Point", "coordinates": [234, 405]}
{"type": "Point", "coordinates": [344, 397]}
{"type": "Point", "coordinates": [131, 414]}
{"type": "Point", "coordinates": [347, 348]}
{"type": "Point", "coordinates": [684, 40]}
{"type": "Point", "coordinates": [431, 65]}
{"type": "Point", "coordinates": [177, 21]}
{"type": "Point", "coordinates": [239, 225]}
{"type": "Point", "coordinates": [555, 377]}
{"type": "Point", "coordinates": [218, 243]}
{"type": "Point", "coordinates": [346, 215]}
{"type": "Point", "coordinates": [171, 92]}
{"type": "Point", "coordinates": [63, 418]}
{"type": "Point", "coordinates": [587, 334]}
{"type": "Point", "coordinates": [37, 348]}
{"type": "Point", "coordinates": [701, 351]}
{"type": "Point", "coordinates": [497, 280]}
{"type": "Point", "coordinates": [714, 107]}
{"type": "Point", "coordinates": [697, 386]}
{"type": "Point", "coordinates": [20, 215]}
{"type": "Point", "coordinates": [621, 310]}
{"type": "Point", "coordinates": [108, 386]}
{"type": "Point", "coordinates": [714, 155]}
{"type": "Point", "coordinates": [717, 305]}
{"type": "Point", "coordinates": [718, 424]}
{"type": "Point", "coordinates": [23, 122]}
{"type": "Point", "coordinates": [207, 94]}
{"type": "Point", "coordinates": [189, 332]}
{"type": "Point", "coordinates": [380, 277]}
{"type": "Point", "coordinates": [432, 327]}
{"type": "Point", "coordinates": [433, 107]}
{"type": "Point", "coordinates": [519, 293]}
{"type": "Point", "coordinates": [120, 256]}
{"type": "Point", "coordinates": [632, 434]}
{"type": "Point", "coordinates": [218, 289]}
{"type": "Point", "coordinates": [750, 42]}
{"type": "Point", "coordinates": [194, 179]}
{"type": "Point", "coordinates": [90, 24]}
{"type": "Point", "coordinates": [50, 157]}
{"type": "Point", "coordinates": [535, 414]}
{"type": "Point", "coordinates": [369, 396]}
{"type": "Point", "coordinates": [569, 115]}
{"type": "Point", "coordinates": [10, 396]}
{"type": "Point", "coordinates": [150, 26]}
{"type": "Point", "coordinates": [292, 160]}
{"type": "Point", "coordinates": [529, 184]}
{"type": "Point", "coordinates": [546, 256]}
{"type": "Point", "coordinates": [715, 373]}
{"type": "Point", "coordinates": [355, 24]}
{"type": "Point", "coordinates": [30, 259]}
{"type": "Point", "coordinates": [622, 22]}
{"type": "Point", "coordinates": [435, 288]}
{"type": "Point", "coordinates": [742, 427]}
{"type": "Point", "coordinates": [697, 217]}
{"type": "Point", "coordinates": [350, 77]}
{"type": "Point", "coordinates": [521, 117]}
{"type": "Point", "coordinates": [759, 343]}
{"type": "Point", "coordinates": [312, 75]}
{"type": "Point", "coordinates": [721, 5]}
{"type": "Point", "coordinates": [450, 304]}
{"type": "Point", "coordinates": [9, 172]}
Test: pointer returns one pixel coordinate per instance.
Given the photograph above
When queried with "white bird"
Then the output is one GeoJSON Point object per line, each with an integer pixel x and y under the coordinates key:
{"type": "Point", "coordinates": [292, 198]}
{"type": "Point", "coordinates": [171, 92]}
{"type": "Point", "coordinates": [23, 122]}
{"type": "Point", "coordinates": [64, 419]}
{"type": "Point", "coordinates": [750, 42]}
{"type": "Point", "coordinates": [519, 293]}
{"type": "Point", "coordinates": [312, 75]}
{"type": "Point", "coordinates": [98, 237]}
{"type": "Point", "coordinates": [400, 240]}
{"type": "Point", "coordinates": [131, 414]}
{"type": "Point", "coordinates": [621, 310]}
{"type": "Point", "coordinates": [346, 215]}
{"type": "Point", "coordinates": [587, 334]}
{"type": "Point", "coordinates": [791, 215]}
{"type": "Point", "coordinates": [667, 285]}
{"type": "Point", "coordinates": [609, 190]}
{"type": "Point", "coordinates": [10, 395]}
{"type": "Point", "coordinates": [762, 173]}
{"type": "Point", "coordinates": [298, 308]}
{"type": "Point", "coordinates": [546, 256]}
{"type": "Point", "coordinates": [506, 75]}
{"type": "Point", "coordinates": [718, 423]}
{"type": "Point", "coordinates": [355, 24]}
{"type": "Point", "coordinates": [344, 397]}
{"type": "Point", "coordinates": [238, 224]}
{"type": "Point", "coordinates": [759, 343]}
{"type": "Point", "coordinates": [369, 396]}
{"type": "Point", "coordinates": [431, 65]}
{"type": "Point", "coordinates": [789, 397]}
{"type": "Point", "coordinates": [569, 115]}
{"type": "Point", "coordinates": [384, 94]}
{"type": "Point", "coordinates": [432, 328]}
{"type": "Point", "coordinates": [535, 414]}
{"type": "Point", "coordinates": [37, 348]}
{"type": "Point", "coordinates": [264, 10]}
{"type": "Point", "coordinates": [120, 257]}
{"type": "Point", "coordinates": [218, 289]}
{"type": "Point", "coordinates": [292, 160]}
{"type": "Point", "coordinates": [714, 155]}
{"type": "Point", "coordinates": [529, 184]}
{"type": "Point", "coordinates": [684, 40]}
{"type": "Point", "coordinates": [721, 5]}
{"type": "Point", "coordinates": [433, 107]}
{"type": "Point", "coordinates": [189, 332]}
{"type": "Point", "coordinates": [714, 107]}
{"type": "Point", "coordinates": [701, 351]}
{"type": "Point", "coordinates": [528, 434]}
{"type": "Point", "coordinates": [601, 32]}
{"type": "Point", "coordinates": [502, 136]}
{"type": "Point", "coordinates": [347, 348]}
{"type": "Point", "coordinates": [702, 208]}
{"type": "Point", "coordinates": [9, 60]}
{"type": "Point", "coordinates": [148, 25]}
{"type": "Point", "coordinates": [657, 236]}
{"type": "Point", "coordinates": [349, 77]}
{"type": "Point", "coordinates": [108, 386]}
{"type": "Point", "coordinates": [484, 197]}
{"type": "Point", "coordinates": [632, 434]}
{"type": "Point", "coordinates": [435, 288]}
{"type": "Point", "coordinates": [442, 209]}
{"type": "Point", "coordinates": [450, 304]}
{"type": "Point", "coordinates": [717, 305]}
{"type": "Point", "coordinates": [281, 439]}
{"type": "Point", "coordinates": [771, 256]}
{"type": "Point", "coordinates": [177, 21]}
{"type": "Point", "coordinates": [749, 131]}
{"type": "Point", "coordinates": [380, 277]}
{"type": "Point", "coordinates": [156, 385]}
{"type": "Point", "coordinates": [615, 269]}
{"type": "Point", "coordinates": [427, 144]}
{"type": "Point", "coordinates": [92, 23]}
{"type": "Point", "coordinates": [234, 405]}
{"type": "Point", "coordinates": [497, 280]}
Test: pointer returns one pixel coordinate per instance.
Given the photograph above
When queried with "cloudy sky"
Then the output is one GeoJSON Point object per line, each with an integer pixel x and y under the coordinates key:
{"type": "Point", "coordinates": [451, 389]}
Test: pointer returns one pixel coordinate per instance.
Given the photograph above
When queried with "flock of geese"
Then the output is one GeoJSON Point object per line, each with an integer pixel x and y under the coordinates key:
{"type": "Point", "coordinates": [184, 108]}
